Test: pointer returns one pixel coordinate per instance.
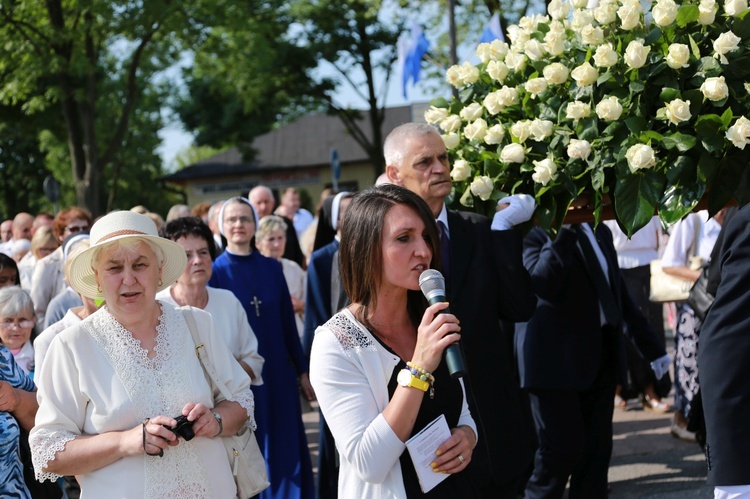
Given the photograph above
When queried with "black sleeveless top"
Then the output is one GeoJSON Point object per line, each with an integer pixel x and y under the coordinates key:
{"type": "Point", "coordinates": [448, 400]}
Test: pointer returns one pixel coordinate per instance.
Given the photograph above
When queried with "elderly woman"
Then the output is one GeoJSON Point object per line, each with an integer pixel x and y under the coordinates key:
{"type": "Point", "coordinates": [271, 242]}
{"type": "Point", "coordinates": [16, 323]}
{"type": "Point", "coordinates": [230, 319]}
{"type": "Point", "coordinates": [112, 385]}
{"type": "Point", "coordinates": [364, 359]}
{"type": "Point", "coordinates": [258, 282]}
{"type": "Point", "coordinates": [48, 278]}
{"type": "Point", "coordinates": [17, 409]}
{"type": "Point", "coordinates": [43, 243]}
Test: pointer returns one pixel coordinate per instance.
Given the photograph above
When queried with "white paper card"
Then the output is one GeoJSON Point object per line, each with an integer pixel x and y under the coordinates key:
{"type": "Point", "coordinates": [422, 447]}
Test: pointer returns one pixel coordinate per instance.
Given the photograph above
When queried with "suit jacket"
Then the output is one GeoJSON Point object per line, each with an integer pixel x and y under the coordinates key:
{"type": "Point", "coordinates": [489, 284]}
{"type": "Point", "coordinates": [560, 347]}
{"type": "Point", "coordinates": [319, 306]}
{"type": "Point", "coordinates": [722, 361]}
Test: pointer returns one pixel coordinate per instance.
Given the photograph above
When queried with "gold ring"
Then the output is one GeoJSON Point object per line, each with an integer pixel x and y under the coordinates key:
{"type": "Point", "coordinates": [461, 459]}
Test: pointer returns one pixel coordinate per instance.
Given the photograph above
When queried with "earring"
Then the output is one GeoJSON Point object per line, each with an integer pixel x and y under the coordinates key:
{"type": "Point", "coordinates": [98, 288]}
{"type": "Point", "coordinates": [161, 283]}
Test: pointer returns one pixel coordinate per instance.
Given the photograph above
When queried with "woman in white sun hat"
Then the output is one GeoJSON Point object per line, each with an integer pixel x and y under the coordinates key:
{"type": "Point", "coordinates": [113, 383]}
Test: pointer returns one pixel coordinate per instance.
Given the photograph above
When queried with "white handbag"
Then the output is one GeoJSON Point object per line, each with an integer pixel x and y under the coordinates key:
{"type": "Point", "coordinates": [665, 287]}
{"type": "Point", "coordinates": [245, 459]}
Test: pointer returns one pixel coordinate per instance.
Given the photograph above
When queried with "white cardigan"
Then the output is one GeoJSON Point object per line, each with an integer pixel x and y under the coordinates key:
{"type": "Point", "coordinates": [350, 371]}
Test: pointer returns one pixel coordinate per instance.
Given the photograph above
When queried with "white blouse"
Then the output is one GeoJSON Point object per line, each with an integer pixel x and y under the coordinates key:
{"type": "Point", "coordinates": [96, 378]}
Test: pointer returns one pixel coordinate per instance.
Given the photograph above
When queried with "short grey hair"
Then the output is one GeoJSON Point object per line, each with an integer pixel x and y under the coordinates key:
{"type": "Point", "coordinates": [14, 301]}
{"type": "Point", "coordinates": [393, 146]}
{"type": "Point", "coordinates": [270, 224]}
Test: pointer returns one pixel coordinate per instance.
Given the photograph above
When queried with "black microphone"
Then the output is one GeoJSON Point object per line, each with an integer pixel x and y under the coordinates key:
{"type": "Point", "coordinates": [432, 284]}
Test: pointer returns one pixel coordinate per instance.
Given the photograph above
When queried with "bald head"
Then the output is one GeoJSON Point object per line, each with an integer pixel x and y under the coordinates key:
{"type": "Point", "coordinates": [6, 230]}
{"type": "Point", "coordinates": [261, 197]}
{"type": "Point", "coordinates": [22, 226]}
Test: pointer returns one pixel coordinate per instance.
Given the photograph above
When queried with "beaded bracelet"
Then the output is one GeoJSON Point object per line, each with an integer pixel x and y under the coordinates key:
{"type": "Point", "coordinates": [420, 373]}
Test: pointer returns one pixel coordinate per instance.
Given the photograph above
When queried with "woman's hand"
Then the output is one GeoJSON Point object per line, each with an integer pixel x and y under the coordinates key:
{"type": "Point", "coordinates": [306, 387]}
{"type": "Point", "coordinates": [150, 437]}
{"type": "Point", "coordinates": [204, 422]}
{"type": "Point", "coordinates": [435, 333]}
{"type": "Point", "coordinates": [454, 455]}
{"type": "Point", "coordinates": [9, 398]}
{"type": "Point", "coordinates": [298, 306]}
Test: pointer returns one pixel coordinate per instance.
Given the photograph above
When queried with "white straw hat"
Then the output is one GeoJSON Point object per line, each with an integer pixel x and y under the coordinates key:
{"type": "Point", "coordinates": [121, 225]}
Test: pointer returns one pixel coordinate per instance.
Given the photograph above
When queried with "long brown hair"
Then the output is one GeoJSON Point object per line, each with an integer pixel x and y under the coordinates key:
{"type": "Point", "coordinates": [361, 250]}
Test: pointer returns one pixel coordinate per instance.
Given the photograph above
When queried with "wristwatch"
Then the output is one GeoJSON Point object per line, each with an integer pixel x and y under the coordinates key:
{"type": "Point", "coordinates": [217, 416]}
{"type": "Point", "coordinates": [406, 378]}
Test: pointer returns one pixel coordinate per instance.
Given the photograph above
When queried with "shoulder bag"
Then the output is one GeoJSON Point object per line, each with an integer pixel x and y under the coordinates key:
{"type": "Point", "coordinates": [665, 287]}
{"type": "Point", "coordinates": [245, 459]}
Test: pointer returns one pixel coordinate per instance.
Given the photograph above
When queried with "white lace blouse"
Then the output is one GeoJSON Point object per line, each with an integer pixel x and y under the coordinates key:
{"type": "Point", "coordinates": [96, 378]}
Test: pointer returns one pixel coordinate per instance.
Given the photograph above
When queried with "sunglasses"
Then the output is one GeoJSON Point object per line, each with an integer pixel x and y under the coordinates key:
{"type": "Point", "coordinates": [73, 229]}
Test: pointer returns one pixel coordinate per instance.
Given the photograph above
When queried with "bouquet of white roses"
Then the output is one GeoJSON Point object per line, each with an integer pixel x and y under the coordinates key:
{"type": "Point", "coordinates": [644, 108]}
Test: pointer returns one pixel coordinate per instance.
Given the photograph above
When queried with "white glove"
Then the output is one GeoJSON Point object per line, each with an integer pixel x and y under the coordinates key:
{"type": "Point", "coordinates": [661, 366]}
{"type": "Point", "coordinates": [520, 209]}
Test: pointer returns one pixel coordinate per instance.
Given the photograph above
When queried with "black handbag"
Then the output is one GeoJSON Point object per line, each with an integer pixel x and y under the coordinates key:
{"type": "Point", "coordinates": [700, 298]}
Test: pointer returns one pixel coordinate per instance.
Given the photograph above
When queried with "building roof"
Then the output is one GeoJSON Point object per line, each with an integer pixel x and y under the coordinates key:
{"type": "Point", "coordinates": [304, 143]}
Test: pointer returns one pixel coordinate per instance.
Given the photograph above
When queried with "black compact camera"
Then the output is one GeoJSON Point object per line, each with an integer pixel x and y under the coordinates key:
{"type": "Point", "coordinates": [183, 428]}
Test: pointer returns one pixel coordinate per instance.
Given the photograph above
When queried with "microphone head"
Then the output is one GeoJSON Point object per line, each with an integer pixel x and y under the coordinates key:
{"type": "Point", "coordinates": [432, 283]}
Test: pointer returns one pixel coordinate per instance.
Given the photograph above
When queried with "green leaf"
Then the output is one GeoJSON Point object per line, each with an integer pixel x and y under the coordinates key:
{"type": "Point", "coordinates": [440, 102]}
{"type": "Point", "coordinates": [669, 94]}
{"type": "Point", "coordinates": [681, 172]}
{"type": "Point", "coordinates": [492, 168]}
{"type": "Point", "coordinates": [636, 87]}
{"type": "Point", "coordinates": [708, 125]}
{"type": "Point", "coordinates": [741, 27]}
{"type": "Point", "coordinates": [708, 166]}
{"type": "Point", "coordinates": [687, 14]}
{"type": "Point", "coordinates": [653, 36]}
{"type": "Point", "coordinates": [679, 201]}
{"type": "Point", "coordinates": [694, 47]}
{"type": "Point", "coordinates": [587, 129]}
{"type": "Point", "coordinates": [681, 141]}
{"type": "Point", "coordinates": [726, 117]}
{"type": "Point", "coordinates": [636, 124]}
{"type": "Point", "coordinates": [636, 197]}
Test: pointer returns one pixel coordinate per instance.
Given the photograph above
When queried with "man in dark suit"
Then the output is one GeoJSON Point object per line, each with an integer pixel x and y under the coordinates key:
{"type": "Point", "coordinates": [569, 355]}
{"type": "Point", "coordinates": [486, 283]}
{"type": "Point", "coordinates": [723, 364]}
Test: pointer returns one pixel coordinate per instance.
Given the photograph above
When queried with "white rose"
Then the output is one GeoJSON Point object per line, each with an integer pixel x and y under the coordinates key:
{"type": "Point", "coordinates": [495, 134]}
{"type": "Point", "coordinates": [461, 170]}
{"type": "Point", "coordinates": [471, 112]}
{"type": "Point", "coordinates": [498, 49]}
{"type": "Point", "coordinates": [544, 171]}
{"type": "Point", "coordinates": [747, 87]}
{"type": "Point", "coordinates": [541, 129]}
{"type": "Point", "coordinates": [609, 109]}
{"type": "Point", "coordinates": [534, 49]}
{"type": "Point", "coordinates": [664, 12]}
{"type": "Point", "coordinates": [582, 18]}
{"type": "Point", "coordinates": [451, 124]}
{"type": "Point", "coordinates": [527, 23]}
{"type": "Point", "coordinates": [715, 89]}
{"type": "Point", "coordinates": [452, 77]}
{"type": "Point", "coordinates": [513, 153]}
{"type": "Point", "coordinates": [555, 73]}
{"type": "Point", "coordinates": [535, 86]}
{"type": "Point", "coordinates": [605, 13]}
{"type": "Point", "coordinates": [521, 130]}
{"type": "Point", "coordinates": [579, 4]}
{"type": "Point", "coordinates": [497, 70]}
{"type": "Point", "coordinates": [435, 114]}
{"type": "Point", "coordinates": [579, 149]}
{"type": "Point", "coordinates": [707, 12]}
{"type": "Point", "coordinates": [735, 7]}
{"type": "Point", "coordinates": [492, 103]}
{"type": "Point", "coordinates": [484, 52]}
{"type": "Point", "coordinates": [725, 43]}
{"type": "Point", "coordinates": [468, 73]}
{"type": "Point", "coordinates": [678, 56]}
{"type": "Point", "coordinates": [451, 140]}
{"type": "Point", "coordinates": [640, 156]}
{"type": "Point", "coordinates": [518, 37]}
{"type": "Point", "coordinates": [515, 61]}
{"type": "Point", "coordinates": [678, 111]}
{"type": "Point", "coordinates": [636, 53]}
{"type": "Point", "coordinates": [591, 35]}
{"type": "Point", "coordinates": [577, 110]}
{"type": "Point", "coordinates": [558, 9]}
{"type": "Point", "coordinates": [476, 130]}
{"type": "Point", "coordinates": [630, 14]}
{"type": "Point", "coordinates": [585, 74]}
{"type": "Point", "coordinates": [507, 96]}
{"type": "Point", "coordinates": [739, 133]}
{"type": "Point", "coordinates": [482, 186]}
{"type": "Point", "coordinates": [605, 56]}
{"type": "Point", "coordinates": [554, 43]}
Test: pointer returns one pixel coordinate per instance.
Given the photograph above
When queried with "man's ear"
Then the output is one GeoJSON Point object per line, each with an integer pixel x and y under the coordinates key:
{"type": "Point", "coordinates": [393, 174]}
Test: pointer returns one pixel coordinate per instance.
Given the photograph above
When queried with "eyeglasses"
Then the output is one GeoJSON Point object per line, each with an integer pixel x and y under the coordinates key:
{"type": "Point", "coordinates": [77, 228]}
{"type": "Point", "coordinates": [23, 324]}
{"type": "Point", "coordinates": [234, 220]}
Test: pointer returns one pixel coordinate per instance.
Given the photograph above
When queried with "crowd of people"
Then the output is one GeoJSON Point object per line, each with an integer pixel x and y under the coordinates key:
{"type": "Point", "coordinates": [98, 367]}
